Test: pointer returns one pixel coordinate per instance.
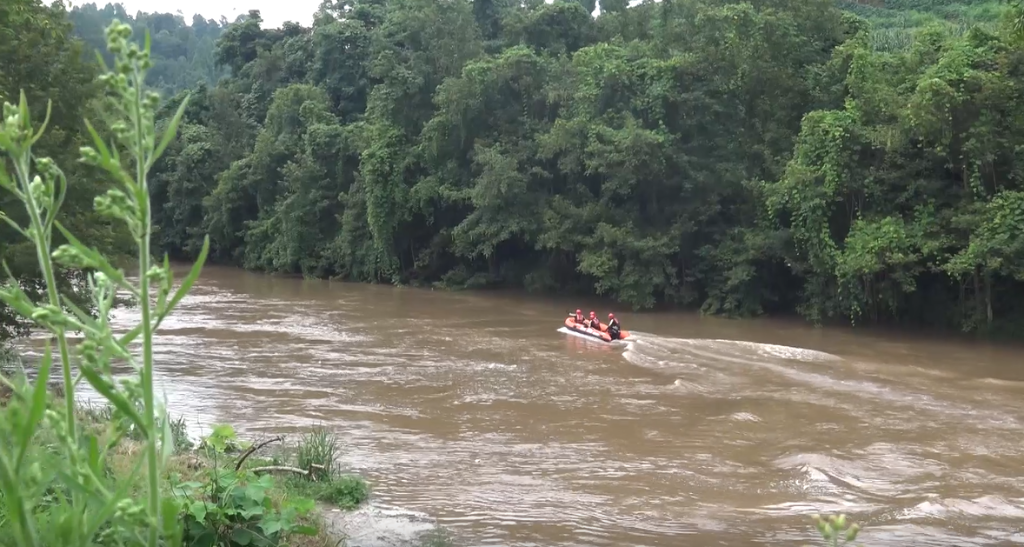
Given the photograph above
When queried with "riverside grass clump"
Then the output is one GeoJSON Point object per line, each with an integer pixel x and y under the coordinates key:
{"type": "Point", "coordinates": [317, 453]}
{"type": "Point", "coordinates": [75, 477]}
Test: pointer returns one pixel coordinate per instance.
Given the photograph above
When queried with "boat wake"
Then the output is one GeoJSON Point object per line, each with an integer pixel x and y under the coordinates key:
{"type": "Point", "coordinates": [727, 365]}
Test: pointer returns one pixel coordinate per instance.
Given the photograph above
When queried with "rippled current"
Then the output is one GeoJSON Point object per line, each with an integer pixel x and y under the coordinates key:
{"type": "Point", "coordinates": [473, 408]}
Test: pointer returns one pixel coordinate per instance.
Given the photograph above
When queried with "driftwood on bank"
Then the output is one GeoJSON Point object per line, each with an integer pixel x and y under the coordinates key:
{"type": "Point", "coordinates": [253, 449]}
{"type": "Point", "coordinates": [289, 469]}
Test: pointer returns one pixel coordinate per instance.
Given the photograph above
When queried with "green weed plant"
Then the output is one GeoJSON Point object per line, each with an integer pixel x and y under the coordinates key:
{"type": "Point", "coordinates": [58, 491]}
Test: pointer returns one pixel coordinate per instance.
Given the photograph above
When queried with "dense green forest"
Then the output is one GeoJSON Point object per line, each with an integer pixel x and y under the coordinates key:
{"type": "Point", "coordinates": [184, 54]}
{"type": "Point", "coordinates": [853, 162]}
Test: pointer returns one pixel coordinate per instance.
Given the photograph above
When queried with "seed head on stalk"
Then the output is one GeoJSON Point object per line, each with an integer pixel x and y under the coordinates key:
{"type": "Point", "coordinates": [834, 530]}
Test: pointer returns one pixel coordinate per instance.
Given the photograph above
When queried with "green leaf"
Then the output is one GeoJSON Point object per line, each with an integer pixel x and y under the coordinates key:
{"type": "Point", "coordinates": [85, 320]}
{"type": "Point", "coordinates": [35, 413]}
{"type": "Point", "coordinates": [305, 530]}
{"type": "Point", "coordinates": [42, 128]}
{"type": "Point", "coordinates": [165, 286]}
{"type": "Point", "coordinates": [251, 512]}
{"type": "Point", "coordinates": [102, 517]}
{"type": "Point", "coordinates": [170, 512]}
{"type": "Point", "coordinates": [99, 261]}
{"type": "Point", "coordinates": [97, 141]}
{"type": "Point", "coordinates": [16, 298]}
{"type": "Point", "coordinates": [266, 482]}
{"type": "Point", "coordinates": [186, 489]}
{"type": "Point", "coordinates": [10, 222]}
{"type": "Point", "coordinates": [58, 202]}
{"type": "Point", "coordinates": [26, 114]}
{"type": "Point", "coordinates": [255, 492]}
{"type": "Point", "coordinates": [270, 526]}
{"type": "Point", "coordinates": [206, 539]}
{"type": "Point", "coordinates": [303, 505]}
{"type": "Point", "coordinates": [101, 61]}
{"type": "Point", "coordinates": [104, 388]}
{"type": "Point", "coordinates": [198, 510]}
{"type": "Point", "coordinates": [223, 431]}
{"type": "Point", "coordinates": [130, 336]}
{"type": "Point", "coordinates": [170, 132]}
{"type": "Point", "coordinates": [241, 536]}
{"type": "Point", "coordinates": [7, 184]}
{"type": "Point", "coordinates": [167, 446]}
{"type": "Point", "coordinates": [14, 505]}
{"type": "Point", "coordinates": [189, 280]}
{"type": "Point", "coordinates": [94, 457]}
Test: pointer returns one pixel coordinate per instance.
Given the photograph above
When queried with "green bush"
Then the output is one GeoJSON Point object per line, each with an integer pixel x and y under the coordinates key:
{"type": "Point", "coordinates": [233, 506]}
{"type": "Point", "coordinates": [343, 491]}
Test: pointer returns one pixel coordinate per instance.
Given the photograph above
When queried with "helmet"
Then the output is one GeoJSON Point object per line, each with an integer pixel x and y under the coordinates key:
{"type": "Point", "coordinates": [579, 312]}
{"type": "Point", "coordinates": [611, 316]}
{"type": "Point", "coordinates": [592, 314]}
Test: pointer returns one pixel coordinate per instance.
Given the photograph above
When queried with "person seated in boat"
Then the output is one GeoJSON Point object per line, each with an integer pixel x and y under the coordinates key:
{"type": "Point", "coordinates": [594, 322]}
{"type": "Point", "coordinates": [614, 330]}
{"type": "Point", "coordinates": [578, 318]}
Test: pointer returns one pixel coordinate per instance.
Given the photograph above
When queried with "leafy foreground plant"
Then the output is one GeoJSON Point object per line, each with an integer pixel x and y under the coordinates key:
{"type": "Point", "coordinates": [233, 508]}
{"type": "Point", "coordinates": [55, 488]}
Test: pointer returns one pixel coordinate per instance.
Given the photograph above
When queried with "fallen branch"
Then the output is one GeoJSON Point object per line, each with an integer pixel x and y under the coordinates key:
{"type": "Point", "coordinates": [253, 449]}
{"type": "Point", "coordinates": [270, 468]}
{"type": "Point", "coordinates": [303, 472]}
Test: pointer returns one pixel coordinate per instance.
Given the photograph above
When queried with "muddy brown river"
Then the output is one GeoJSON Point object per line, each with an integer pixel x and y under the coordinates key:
{"type": "Point", "coordinates": [473, 408]}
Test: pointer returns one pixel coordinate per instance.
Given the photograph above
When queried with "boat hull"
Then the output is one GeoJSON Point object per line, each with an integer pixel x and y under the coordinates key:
{"type": "Point", "coordinates": [597, 334]}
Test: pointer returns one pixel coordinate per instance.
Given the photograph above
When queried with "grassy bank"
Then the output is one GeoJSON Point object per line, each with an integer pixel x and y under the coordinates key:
{"type": "Point", "coordinates": [270, 491]}
{"type": "Point", "coordinates": [228, 491]}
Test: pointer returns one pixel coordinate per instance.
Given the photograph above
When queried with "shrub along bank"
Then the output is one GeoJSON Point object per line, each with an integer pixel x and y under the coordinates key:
{"type": "Point", "coordinates": [230, 492]}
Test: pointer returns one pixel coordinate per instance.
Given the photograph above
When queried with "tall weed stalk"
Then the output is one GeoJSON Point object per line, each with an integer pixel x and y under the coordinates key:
{"type": "Point", "coordinates": [55, 487]}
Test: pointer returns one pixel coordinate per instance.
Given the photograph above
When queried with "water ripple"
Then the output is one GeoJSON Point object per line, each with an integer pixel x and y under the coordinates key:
{"type": "Point", "coordinates": [524, 436]}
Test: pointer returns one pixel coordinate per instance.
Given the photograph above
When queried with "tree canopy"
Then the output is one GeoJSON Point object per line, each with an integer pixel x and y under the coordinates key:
{"type": "Point", "coordinates": [741, 157]}
{"type": "Point", "coordinates": [183, 53]}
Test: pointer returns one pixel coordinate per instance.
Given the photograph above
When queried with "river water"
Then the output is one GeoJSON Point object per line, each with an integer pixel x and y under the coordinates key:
{"type": "Point", "coordinates": [473, 408]}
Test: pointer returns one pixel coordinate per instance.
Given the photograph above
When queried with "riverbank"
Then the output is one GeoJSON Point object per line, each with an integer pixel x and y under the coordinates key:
{"type": "Point", "coordinates": [267, 491]}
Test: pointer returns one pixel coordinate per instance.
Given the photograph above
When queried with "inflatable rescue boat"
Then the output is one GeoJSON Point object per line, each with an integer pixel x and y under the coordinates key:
{"type": "Point", "coordinates": [571, 324]}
